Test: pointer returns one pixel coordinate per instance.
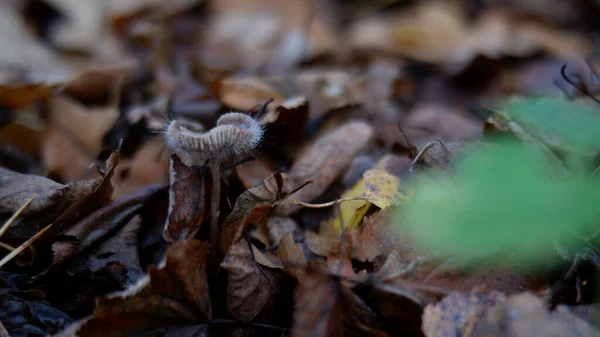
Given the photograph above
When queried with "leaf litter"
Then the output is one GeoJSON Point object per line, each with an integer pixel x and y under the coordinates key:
{"type": "Point", "coordinates": [366, 188]}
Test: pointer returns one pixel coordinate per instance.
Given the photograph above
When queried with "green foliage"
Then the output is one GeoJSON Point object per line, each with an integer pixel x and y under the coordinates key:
{"type": "Point", "coordinates": [500, 199]}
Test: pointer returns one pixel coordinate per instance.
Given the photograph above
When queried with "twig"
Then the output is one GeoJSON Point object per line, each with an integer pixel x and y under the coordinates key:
{"type": "Point", "coordinates": [576, 86]}
{"type": "Point", "coordinates": [326, 204]}
{"type": "Point", "coordinates": [422, 152]}
{"type": "Point", "coordinates": [12, 219]}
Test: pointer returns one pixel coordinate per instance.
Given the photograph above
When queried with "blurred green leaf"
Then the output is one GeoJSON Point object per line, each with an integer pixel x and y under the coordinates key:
{"type": "Point", "coordinates": [500, 199]}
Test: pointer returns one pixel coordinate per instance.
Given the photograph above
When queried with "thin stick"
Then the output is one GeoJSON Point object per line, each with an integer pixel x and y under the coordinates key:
{"type": "Point", "coordinates": [422, 152]}
{"type": "Point", "coordinates": [24, 246]}
{"type": "Point", "coordinates": [326, 204]}
{"type": "Point", "coordinates": [214, 205]}
{"type": "Point", "coordinates": [14, 217]}
{"type": "Point", "coordinates": [3, 331]}
{"type": "Point", "coordinates": [6, 246]}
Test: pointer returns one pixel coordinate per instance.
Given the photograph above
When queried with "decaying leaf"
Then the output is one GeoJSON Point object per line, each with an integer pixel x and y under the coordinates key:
{"type": "Point", "coordinates": [456, 314]}
{"type": "Point", "coordinates": [292, 254]}
{"type": "Point", "coordinates": [372, 239]}
{"type": "Point", "coordinates": [525, 314]}
{"type": "Point", "coordinates": [175, 293]}
{"type": "Point", "coordinates": [325, 160]}
{"type": "Point", "coordinates": [250, 288]}
{"type": "Point", "coordinates": [244, 93]}
{"type": "Point", "coordinates": [121, 248]}
{"type": "Point", "coordinates": [317, 313]}
{"type": "Point", "coordinates": [70, 202]}
{"type": "Point", "coordinates": [252, 206]}
{"type": "Point", "coordinates": [187, 201]}
{"type": "Point", "coordinates": [98, 225]}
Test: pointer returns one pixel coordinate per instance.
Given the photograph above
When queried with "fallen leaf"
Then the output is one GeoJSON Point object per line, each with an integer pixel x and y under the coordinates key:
{"type": "Point", "coordinates": [148, 166]}
{"type": "Point", "coordinates": [245, 93]}
{"type": "Point", "coordinates": [175, 293]}
{"type": "Point", "coordinates": [120, 248]}
{"type": "Point", "coordinates": [267, 259]}
{"type": "Point", "coordinates": [317, 312]}
{"type": "Point", "coordinates": [251, 206]}
{"type": "Point", "coordinates": [372, 239]}
{"type": "Point", "coordinates": [253, 173]}
{"type": "Point", "coordinates": [95, 227]}
{"type": "Point", "coordinates": [456, 314]}
{"type": "Point", "coordinates": [325, 160]}
{"type": "Point", "coordinates": [187, 201]}
{"type": "Point", "coordinates": [250, 288]}
{"type": "Point", "coordinates": [53, 199]}
{"type": "Point", "coordinates": [292, 254]}
{"type": "Point", "coordinates": [527, 315]}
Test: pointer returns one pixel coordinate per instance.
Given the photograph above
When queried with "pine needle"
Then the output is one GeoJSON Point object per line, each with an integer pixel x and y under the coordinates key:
{"type": "Point", "coordinates": [14, 217]}
{"type": "Point", "coordinates": [24, 246]}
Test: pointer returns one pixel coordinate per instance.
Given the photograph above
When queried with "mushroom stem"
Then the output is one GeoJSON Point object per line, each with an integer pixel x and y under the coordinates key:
{"type": "Point", "coordinates": [214, 205]}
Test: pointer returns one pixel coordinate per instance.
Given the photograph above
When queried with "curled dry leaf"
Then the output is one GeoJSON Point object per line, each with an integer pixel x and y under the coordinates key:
{"type": "Point", "coordinates": [187, 201]}
{"type": "Point", "coordinates": [326, 160]}
{"type": "Point", "coordinates": [251, 206]}
{"type": "Point", "coordinates": [456, 314]}
{"type": "Point", "coordinates": [177, 293]}
{"type": "Point", "coordinates": [525, 314]}
{"type": "Point", "coordinates": [53, 200]}
{"type": "Point", "coordinates": [291, 117]}
{"type": "Point", "coordinates": [250, 288]}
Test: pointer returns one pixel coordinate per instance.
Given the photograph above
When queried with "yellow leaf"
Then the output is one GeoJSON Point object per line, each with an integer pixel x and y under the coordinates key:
{"type": "Point", "coordinates": [381, 188]}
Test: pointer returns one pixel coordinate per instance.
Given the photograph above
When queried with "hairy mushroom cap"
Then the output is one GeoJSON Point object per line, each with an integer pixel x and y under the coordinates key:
{"type": "Point", "coordinates": [235, 134]}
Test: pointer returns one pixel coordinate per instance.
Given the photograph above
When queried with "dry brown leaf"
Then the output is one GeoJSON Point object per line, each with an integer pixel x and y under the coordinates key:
{"type": "Point", "coordinates": [267, 259]}
{"type": "Point", "coordinates": [97, 83]}
{"type": "Point", "coordinates": [251, 206]}
{"type": "Point", "coordinates": [253, 173]}
{"type": "Point", "coordinates": [372, 239]}
{"type": "Point", "coordinates": [525, 314]}
{"type": "Point", "coordinates": [96, 226]}
{"type": "Point", "coordinates": [75, 119]}
{"type": "Point", "coordinates": [27, 52]}
{"type": "Point", "coordinates": [447, 124]}
{"type": "Point", "coordinates": [176, 293]}
{"type": "Point", "coordinates": [187, 201]}
{"type": "Point", "coordinates": [53, 199]}
{"type": "Point", "coordinates": [292, 254]}
{"type": "Point", "coordinates": [63, 158]}
{"type": "Point", "coordinates": [121, 248]}
{"type": "Point", "coordinates": [149, 165]}
{"type": "Point", "coordinates": [326, 90]}
{"type": "Point", "coordinates": [326, 160]}
{"type": "Point", "coordinates": [456, 314]}
{"type": "Point", "coordinates": [20, 135]}
{"type": "Point", "coordinates": [244, 93]}
{"type": "Point", "coordinates": [317, 312]}
{"type": "Point", "coordinates": [291, 118]}
{"type": "Point", "coordinates": [250, 288]}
